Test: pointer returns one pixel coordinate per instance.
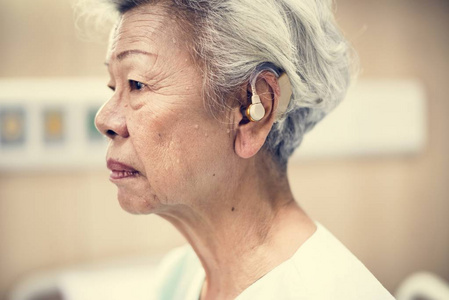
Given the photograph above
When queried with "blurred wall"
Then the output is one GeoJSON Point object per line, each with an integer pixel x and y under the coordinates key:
{"type": "Point", "coordinates": [392, 212]}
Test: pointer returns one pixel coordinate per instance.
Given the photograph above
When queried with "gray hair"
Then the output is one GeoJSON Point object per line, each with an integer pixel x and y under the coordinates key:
{"type": "Point", "coordinates": [233, 37]}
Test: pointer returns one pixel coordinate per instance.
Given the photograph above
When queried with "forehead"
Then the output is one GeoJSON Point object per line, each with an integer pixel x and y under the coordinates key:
{"type": "Point", "coordinates": [145, 28]}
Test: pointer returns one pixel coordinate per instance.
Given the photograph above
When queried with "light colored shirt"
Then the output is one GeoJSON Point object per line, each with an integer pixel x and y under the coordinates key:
{"type": "Point", "coordinates": [322, 268]}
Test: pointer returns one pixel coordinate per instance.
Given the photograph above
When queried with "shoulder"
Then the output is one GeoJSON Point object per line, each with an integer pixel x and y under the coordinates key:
{"type": "Point", "coordinates": [322, 268]}
{"type": "Point", "coordinates": [325, 262]}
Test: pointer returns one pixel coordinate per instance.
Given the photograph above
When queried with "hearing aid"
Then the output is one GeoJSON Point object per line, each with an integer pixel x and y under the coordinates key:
{"type": "Point", "coordinates": [255, 111]}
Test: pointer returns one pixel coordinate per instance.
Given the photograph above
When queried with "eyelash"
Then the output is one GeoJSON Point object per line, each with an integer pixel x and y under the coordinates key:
{"type": "Point", "coordinates": [133, 85]}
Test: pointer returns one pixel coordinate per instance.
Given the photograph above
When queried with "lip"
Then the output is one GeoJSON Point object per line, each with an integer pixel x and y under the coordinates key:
{"type": "Point", "coordinates": [120, 171]}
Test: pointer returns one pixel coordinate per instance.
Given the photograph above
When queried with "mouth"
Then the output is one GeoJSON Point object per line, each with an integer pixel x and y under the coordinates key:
{"type": "Point", "coordinates": [120, 171]}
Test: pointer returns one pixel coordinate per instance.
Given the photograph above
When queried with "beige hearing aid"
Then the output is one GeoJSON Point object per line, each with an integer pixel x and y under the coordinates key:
{"type": "Point", "coordinates": [255, 111]}
{"type": "Point", "coordinates": [286, 94]}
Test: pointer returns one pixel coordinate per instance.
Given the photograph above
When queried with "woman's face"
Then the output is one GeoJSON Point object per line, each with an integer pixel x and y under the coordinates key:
{"type": "Point", "coordinates": [156, 120]}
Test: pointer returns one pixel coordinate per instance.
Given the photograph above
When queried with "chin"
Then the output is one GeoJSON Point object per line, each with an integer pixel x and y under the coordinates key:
{"type": "Point", "coordinates": [136, 205]}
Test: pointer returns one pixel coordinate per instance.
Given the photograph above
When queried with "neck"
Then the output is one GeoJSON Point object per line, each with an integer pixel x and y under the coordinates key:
{"type": "Point", "coordinates": [241, 237]}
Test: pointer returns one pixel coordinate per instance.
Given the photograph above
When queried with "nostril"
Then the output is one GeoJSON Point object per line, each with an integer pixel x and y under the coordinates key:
{"type": "Point", "coordinates": [110, 133]}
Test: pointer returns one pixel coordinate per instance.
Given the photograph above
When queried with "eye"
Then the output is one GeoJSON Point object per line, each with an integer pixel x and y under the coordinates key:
{"type": "Point", "coordinates": [135, 85]}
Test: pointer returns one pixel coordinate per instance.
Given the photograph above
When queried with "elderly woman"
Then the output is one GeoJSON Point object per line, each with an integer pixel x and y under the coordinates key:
{"type": "Point", "coordinates": [211, 97]}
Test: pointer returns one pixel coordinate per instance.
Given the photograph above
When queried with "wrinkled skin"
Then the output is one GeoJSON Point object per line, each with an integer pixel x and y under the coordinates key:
{"type": "Point", "coordinates": [163, 129]}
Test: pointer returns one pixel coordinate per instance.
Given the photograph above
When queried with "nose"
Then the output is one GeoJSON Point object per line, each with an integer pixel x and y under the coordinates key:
{"type": "Point", "coordinates": [111, 121]}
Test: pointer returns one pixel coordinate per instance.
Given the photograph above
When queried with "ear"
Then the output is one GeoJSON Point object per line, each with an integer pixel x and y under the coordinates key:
{"type": "Point", "coordinates": [250, 136]}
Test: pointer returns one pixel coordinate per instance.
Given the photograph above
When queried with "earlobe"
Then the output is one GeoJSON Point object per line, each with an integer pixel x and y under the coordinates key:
{"type": "Point", "coordinates": [247, 143]}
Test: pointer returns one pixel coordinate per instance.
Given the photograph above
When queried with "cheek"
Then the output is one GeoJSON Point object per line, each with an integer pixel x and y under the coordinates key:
{"type": "Point", "coordinates": [178, 149]}
{"type": "Point", "coordinates": [165, 143]}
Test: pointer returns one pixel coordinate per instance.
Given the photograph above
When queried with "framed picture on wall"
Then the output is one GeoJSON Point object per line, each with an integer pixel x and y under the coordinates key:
{"type": "Point", "coordinates": [12, 126]}
{"type": "Point", "coordinates": [54, 129]}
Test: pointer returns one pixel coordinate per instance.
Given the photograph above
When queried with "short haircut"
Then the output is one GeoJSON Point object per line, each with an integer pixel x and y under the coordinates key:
{"type": "Point", "coordinates": [232, 37]}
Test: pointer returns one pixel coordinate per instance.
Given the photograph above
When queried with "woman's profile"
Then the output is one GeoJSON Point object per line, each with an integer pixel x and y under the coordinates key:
{"type": "Point", "coordinates": [210, 100]}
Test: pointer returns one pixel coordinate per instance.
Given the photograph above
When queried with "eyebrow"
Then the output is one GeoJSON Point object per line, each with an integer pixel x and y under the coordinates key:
{"type": "Point", "coordinates": [124, 54]}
